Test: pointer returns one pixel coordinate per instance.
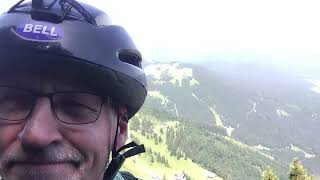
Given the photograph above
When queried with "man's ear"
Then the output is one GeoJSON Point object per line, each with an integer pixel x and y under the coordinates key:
{"type": "Point", "coordinates": [123, 134]}
{"type": "Point", "coordinates": [123, 127]}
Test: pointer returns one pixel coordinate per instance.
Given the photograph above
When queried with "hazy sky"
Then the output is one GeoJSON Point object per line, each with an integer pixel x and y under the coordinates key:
{"type": "Point", "coordinates": [285, 31]}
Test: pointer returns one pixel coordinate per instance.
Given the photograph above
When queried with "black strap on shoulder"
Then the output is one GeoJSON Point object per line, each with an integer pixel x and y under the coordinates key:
{"type": "Point", "coordinates": [119, 159]}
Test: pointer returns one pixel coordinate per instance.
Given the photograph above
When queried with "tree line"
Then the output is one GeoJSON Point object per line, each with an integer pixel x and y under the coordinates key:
{"type": "Point", "coordinates": [296, 172]}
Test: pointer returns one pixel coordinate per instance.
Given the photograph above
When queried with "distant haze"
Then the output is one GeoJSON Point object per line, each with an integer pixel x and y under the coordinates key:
{"type": "Point", "coordinates": [284, 32]}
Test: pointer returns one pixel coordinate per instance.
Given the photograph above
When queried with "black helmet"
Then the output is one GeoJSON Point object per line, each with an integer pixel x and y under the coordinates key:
{"type": "Point", "coordinates": [78, 37]}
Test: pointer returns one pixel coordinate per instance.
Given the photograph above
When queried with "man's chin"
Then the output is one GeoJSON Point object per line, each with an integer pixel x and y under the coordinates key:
{"type": "Point", "coordinates": [57, 171]}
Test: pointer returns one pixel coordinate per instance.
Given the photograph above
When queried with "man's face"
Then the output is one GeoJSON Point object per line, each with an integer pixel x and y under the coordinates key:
{"type": "Point", "coordinates": [43, 148]}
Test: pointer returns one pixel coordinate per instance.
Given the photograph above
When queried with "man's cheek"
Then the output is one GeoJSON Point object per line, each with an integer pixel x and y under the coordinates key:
{"type": "Point", "coordinates": [8, 137]}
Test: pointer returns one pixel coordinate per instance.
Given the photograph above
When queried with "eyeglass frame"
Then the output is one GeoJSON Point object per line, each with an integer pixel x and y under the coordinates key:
{"type": "Point", "coordinates": [50, 96]}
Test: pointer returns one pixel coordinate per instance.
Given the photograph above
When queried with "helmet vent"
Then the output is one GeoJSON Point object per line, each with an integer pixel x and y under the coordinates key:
{"type": "Point", "coordinates": [130, 56]}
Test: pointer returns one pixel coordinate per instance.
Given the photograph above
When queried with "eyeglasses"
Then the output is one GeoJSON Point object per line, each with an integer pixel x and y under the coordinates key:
{"type": "Point", "coordinates": [70, 107]}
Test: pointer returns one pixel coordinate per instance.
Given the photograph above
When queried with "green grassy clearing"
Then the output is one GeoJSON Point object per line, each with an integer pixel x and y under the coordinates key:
{"type": "Point", "coordinates": [143, 167]}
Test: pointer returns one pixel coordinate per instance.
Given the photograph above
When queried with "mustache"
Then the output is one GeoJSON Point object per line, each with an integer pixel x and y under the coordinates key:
{"type": "Point", "coordinates": [48, 155]}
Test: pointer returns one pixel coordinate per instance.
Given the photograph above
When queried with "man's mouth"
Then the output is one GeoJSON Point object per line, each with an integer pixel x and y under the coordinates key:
{"type": "Point", "coordinates": [30, 170]}
{"type": "Point", "coordinates": [45, 167]}
{"type": "Point", "coordinates": [43, 164]}
{"type": "Point", "coordinates": [44, 159]}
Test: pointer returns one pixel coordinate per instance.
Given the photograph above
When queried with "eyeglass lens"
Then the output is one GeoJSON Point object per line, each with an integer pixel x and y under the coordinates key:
{"type": "Point", "coordinates": [70, 107]}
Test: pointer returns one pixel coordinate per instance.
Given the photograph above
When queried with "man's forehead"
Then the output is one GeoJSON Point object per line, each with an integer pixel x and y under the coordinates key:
{"type": "Point", "coordinates": [45, 81]}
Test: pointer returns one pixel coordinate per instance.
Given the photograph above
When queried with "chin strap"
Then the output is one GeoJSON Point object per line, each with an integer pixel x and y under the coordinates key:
{"type": "Point", "coordinates": [119, 159]}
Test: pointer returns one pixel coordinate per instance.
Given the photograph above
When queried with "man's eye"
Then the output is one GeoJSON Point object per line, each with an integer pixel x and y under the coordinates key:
{"type": "Point", "coordinates": [69, 103]}
{"type": "Point", "coordinates": [75, 105]}
{"type": "Point", "coordinates": [15, 106]}
{"type": "Point", "coordinates": [75, 112]}
{"type": "Point", "coordinates": [14, 102]}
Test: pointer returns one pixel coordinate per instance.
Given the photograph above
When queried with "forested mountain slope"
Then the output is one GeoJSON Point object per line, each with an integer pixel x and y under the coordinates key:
{"type": "Point", "coordinates": [235, 120]}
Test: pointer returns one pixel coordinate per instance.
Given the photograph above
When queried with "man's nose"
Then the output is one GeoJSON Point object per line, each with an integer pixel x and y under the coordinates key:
{"type": "Point", "coordinates": [41, 127]}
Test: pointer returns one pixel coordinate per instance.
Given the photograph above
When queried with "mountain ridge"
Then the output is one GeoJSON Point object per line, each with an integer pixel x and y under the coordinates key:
{"type": "Point", "coordinates": [255, 107]}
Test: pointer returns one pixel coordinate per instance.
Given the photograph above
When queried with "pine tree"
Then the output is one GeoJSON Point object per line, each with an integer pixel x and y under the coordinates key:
{"type": "Point", "coordinates": [156, 141]}
{"type": "Point", "coordinates": [135, 124]}
{"type": "Point", "coordinates": [167, 163]}
{"type": "Point", "coordinates": [158, 157]}
{"type": "Point", "coordinates": [187, 177]}
{"type": "Point", "coordinates": [268, 174]}
{"type": "Point", "coordinates": [143, 132]}
{"type": "Point", "coordinates": [298, 172]}
{"type": "Point", "coordinates": [167, 135]}
{"type": "Point", "coordinates": [152, 159]}
{"type": "Point", "coordinates": [164, 177]}
{"type": "Point", "coordinates": [162, 159]}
